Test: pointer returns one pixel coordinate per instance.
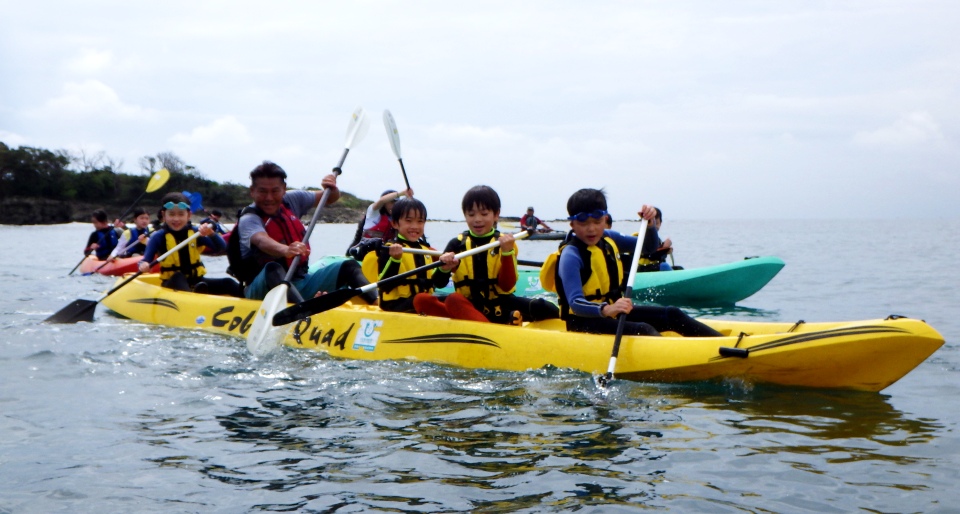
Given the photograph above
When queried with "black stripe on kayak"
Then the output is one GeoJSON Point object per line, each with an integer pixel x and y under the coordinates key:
{"type": "Point", "coordinates": [445, 338]}
{"type": "Point", "coordinates": [156, 301]}
{"type": "Point", "coordinates": [825, 334]}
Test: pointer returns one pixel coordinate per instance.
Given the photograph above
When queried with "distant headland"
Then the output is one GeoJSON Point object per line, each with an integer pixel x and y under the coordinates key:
{"type": "Point", "coordinates": [41, 187]}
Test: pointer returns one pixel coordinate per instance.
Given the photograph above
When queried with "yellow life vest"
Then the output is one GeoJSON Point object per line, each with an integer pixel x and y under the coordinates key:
{"type": "Point", "coordinates": [186, 260]}
{"type": "Point", "coordinates": [643, 263]}
{"type": "Point", "coordinates": [600, 277]}
{"type": "Point", "coordinates": [410, 286]}
{"type": "Point", "coordinates": [476, 276]}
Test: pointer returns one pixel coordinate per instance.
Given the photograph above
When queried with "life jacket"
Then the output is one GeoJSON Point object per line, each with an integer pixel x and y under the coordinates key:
{"type": "Point", "coordinates": [284, 227]}
{"type": "Point", "coordinates": [647, 261]}
{"type": "Point", "coordinates": [476, 276]}
{"type": "Point", "coordinates": [600, 276]}
{"type": "Point", "coordinates": [383, 229]}
{"type": "Point", "coordinates": [135, 234]}
{"type": "Point", "coordinates": [528, 221]}
{"type": "Point", "coordinates": [185, 260]}
{"type": "Point", "coordinates": [106, 241]}
{"type": "Point", "coordinates": [410, 286]}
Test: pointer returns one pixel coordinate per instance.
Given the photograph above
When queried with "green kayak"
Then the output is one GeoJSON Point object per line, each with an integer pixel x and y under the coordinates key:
{"type": "Point", "coordinates": [710, 286]}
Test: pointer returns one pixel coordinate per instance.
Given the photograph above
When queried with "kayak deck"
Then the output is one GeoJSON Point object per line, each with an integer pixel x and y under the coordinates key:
{"type": "Point", "coordinates": [861, 355]}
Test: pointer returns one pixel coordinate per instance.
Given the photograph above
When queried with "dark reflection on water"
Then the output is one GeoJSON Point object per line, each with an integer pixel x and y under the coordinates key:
{"type": "Point", "coordinates": [413, 437]}
{"type": "Point", "coordinates": [732, 311]}
{"type": "Point", "coordinates": [816, 414]}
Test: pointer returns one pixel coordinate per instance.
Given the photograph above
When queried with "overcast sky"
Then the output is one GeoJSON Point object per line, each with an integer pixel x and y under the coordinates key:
{"type": "Point", "coordinates": [740, 109]}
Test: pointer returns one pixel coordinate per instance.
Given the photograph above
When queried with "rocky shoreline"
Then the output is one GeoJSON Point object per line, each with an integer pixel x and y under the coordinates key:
{"type": "Point", "coordinates": [43, 211]}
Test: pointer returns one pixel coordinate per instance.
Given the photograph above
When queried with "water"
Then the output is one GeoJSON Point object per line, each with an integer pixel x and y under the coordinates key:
{"type": "Point", "coordinates": [117, 416]}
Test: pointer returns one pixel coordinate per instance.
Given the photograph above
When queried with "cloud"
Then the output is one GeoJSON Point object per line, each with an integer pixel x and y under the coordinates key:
{"type": "Point", "coordinates": [913, 129]}
{"type": "Point", "coordinates": [91, 99]}
{"type": "Point", "coordinates": [90, 61]}
{"type": "Point", "coordinates": [225, 131]}
{"type": "Point", "coordinates": [12, 140]}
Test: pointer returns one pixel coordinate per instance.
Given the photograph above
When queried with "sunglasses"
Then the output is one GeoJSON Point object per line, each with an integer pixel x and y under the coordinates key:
{"type": "Point", "coordinates": [178, 205]}
{"type": "Point", "coordinates": [582, 216]}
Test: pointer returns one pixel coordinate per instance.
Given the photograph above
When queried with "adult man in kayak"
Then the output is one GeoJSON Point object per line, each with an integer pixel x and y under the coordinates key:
{"type": "Point", "coordinates": [531, 222]}
{"type": "Point", "coordinates": [269, 235]}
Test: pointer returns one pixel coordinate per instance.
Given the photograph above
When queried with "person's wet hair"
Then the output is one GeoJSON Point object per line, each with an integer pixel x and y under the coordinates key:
{"type": "Point", "coordinates": [405, 206]}
{"type": "Point", "coordinates": [587, 200]}
{"type": "Point", "coordinates": [483, 197]}
{"type": "Point", "coordinates": [268, 169]}
{"type": "Point", "coordinates": [383, 208]}
{"type": "Point", "coordinates": [138, 211]}
{"type": "Point", "coordinates": [173, 197]}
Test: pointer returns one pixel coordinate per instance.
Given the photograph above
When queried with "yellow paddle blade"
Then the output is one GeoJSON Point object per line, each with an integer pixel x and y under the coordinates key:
{"type": "Point", "coordinates": [158, 180]}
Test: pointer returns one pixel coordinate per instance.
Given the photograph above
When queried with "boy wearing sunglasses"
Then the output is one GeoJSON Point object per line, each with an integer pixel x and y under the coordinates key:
{"type": "Point", "coordinates": [587, 274]}
{"type": "Point", "coordinates": [184, 270]}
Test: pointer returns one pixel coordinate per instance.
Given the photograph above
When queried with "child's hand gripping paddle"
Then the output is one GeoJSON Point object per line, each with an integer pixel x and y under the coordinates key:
{"type": "Point", "coordinates": [603, 380]}
{"type": "Point", "coordinates": [341, 296]}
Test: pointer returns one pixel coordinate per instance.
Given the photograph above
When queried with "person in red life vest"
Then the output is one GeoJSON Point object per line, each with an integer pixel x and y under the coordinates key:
{"type": "Point", "coordinates": [531, 222]}
{"type": "Point", "coordinates": [269, 235]}
{"type": "Point", "coordinates": [376, 226]}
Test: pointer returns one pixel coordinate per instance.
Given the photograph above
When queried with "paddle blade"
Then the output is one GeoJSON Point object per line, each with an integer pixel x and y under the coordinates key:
{"type": "Point", "coordinates": [392, 133]}
{"type": "Point", "coordinates": [79, 310]}
{"type": "Point", "coordinates": [196, 201]}
{"type": "Point", "coordinates": [158, 180]}
{"type": "Point", "coordinates": [263, 337]}
{"type": "Point", "coordinates": [313, 306]}
{"type": "Point", "coordinates": [357, 128]}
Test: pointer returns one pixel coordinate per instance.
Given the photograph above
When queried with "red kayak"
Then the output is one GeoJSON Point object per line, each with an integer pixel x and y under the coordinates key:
{"type": "Point", "coordinates": [115, 268]}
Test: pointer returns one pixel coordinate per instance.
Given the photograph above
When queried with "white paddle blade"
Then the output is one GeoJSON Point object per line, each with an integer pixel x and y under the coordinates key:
{"type": "Point", "coordinates": [357, 128]}
{"type": "Point", "coordinates": [263, 337]}
{"type": "Point", "coordinates": [392, 133]}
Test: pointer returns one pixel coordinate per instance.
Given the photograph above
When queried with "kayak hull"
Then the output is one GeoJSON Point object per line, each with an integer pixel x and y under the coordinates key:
{"type": "Point", "coordinates": [711, 286]}
{"type": "Point", "coordinates": [859, 355]}
{"type": "Point", "coordinates": [115, 268]}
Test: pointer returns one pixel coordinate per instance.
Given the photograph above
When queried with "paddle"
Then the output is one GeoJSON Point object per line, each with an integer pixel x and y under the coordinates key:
{"type": "Point", "coordinates": [263, 338]}
{"type": "Point", "coordinates": [394, 136]}
{"type": "Point", "coordinates": [342, 296]}
{"type": "Point", "coordinates": [157, 180]}
{"type": "Point", "coordinates": [603, 380]}
{"type": "Point", "coordinates": [82, 310]}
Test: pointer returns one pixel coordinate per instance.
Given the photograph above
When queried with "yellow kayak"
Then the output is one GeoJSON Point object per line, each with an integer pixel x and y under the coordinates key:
{"type": "Point", "coordinates": [860, 355]}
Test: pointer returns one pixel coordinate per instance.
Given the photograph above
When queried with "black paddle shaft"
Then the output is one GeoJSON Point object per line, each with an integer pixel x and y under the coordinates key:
{"type": "Point", "coordinates": [339, 297]}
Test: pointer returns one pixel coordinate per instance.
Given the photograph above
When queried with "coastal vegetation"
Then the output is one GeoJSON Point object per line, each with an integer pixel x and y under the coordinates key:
{"type": "Point", "coordinates": [41, 186]}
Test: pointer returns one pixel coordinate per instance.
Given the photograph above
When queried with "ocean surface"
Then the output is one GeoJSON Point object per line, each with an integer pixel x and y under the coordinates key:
{"type": "Point", "coordinates": [118, 416]}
